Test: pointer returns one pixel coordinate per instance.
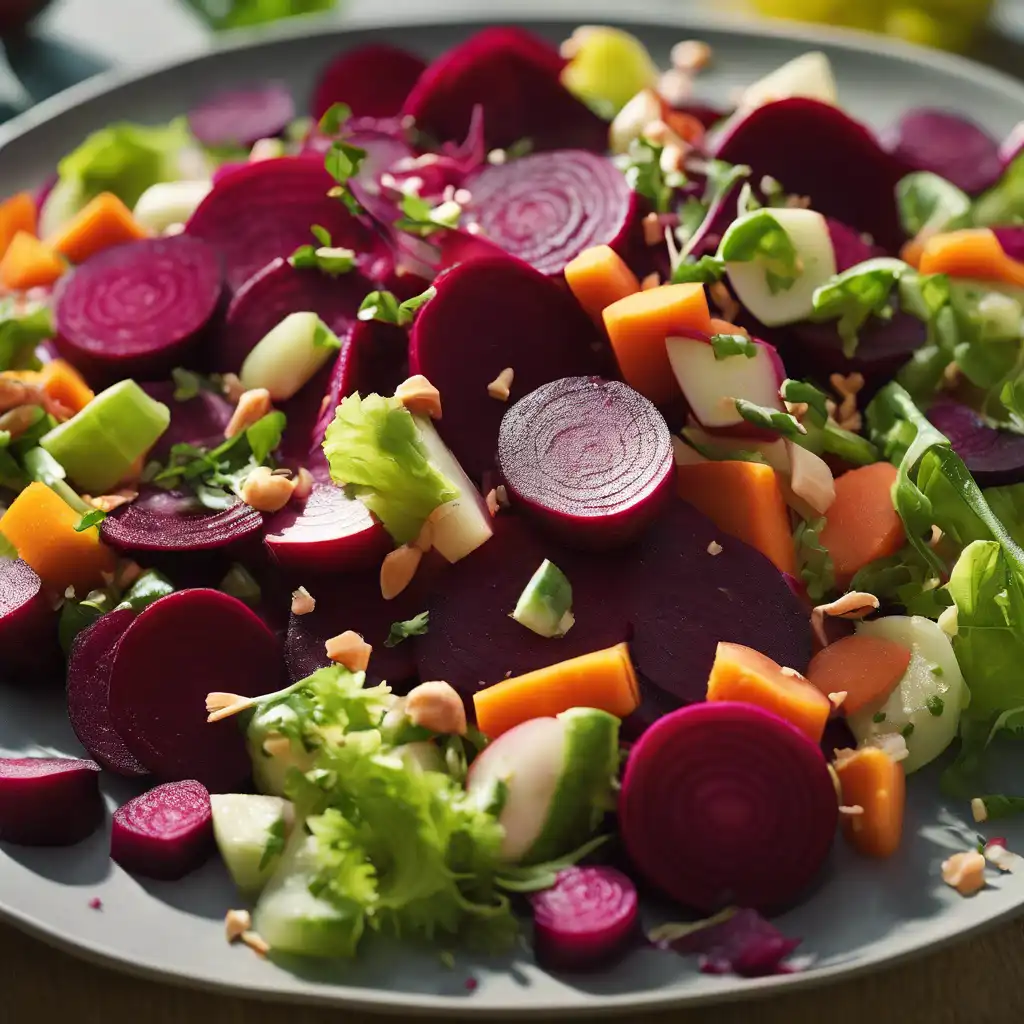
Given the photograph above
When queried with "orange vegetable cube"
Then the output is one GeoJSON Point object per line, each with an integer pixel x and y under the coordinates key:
{"type": "Point", "coordinates": [29, 263]}
{"type": "Point", "coordinates": [18, 213]}
{"type": "Point", "coordinates": [598, 277]}
{"type": "Point", "coordinates": [102, 223]}
{"type": "Point", "coordinates": [874, 783]}
{"type": "Point", "coordinates": [63, 383]}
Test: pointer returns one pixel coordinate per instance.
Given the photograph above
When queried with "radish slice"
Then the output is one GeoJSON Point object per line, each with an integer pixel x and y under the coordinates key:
{"type": "Point", "coordinates": [725, 804]}
{"type": "Point", "coordinates": [239, 117]}
{"type": "Point", "coordinates": [373, 80]}
{"type": "Point", "coordinates": [48, 801]}
{"type": "Point", "coordinates": [28, 624]}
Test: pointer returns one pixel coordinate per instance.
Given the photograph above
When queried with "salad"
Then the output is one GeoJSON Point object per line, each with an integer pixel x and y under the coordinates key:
{"type": "Point", "coordinates": [514, 484]}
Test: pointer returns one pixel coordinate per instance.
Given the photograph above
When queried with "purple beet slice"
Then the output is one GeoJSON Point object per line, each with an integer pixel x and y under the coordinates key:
{"type": "Point", "coordinates": [165, 833]}
{"type": "Point", "coordinates": [515, 77]}
{"type": "Point", "coordinates": [994, 457]}
{"type": "Point", "coordinates": [238, 117]}
{"type": "Point", "coordinates": [138, 309]}
{"type": "Point", "coordinates": [489, 315]}
{"type": "Point", "coordinates": [265, 210]}
{"type": "Point", "coordinates": [373, 80]}
{"type": "Point", "coordinates": [48, 801]}
{"type": "Point", "coordinates": [849, 246]}
{"type": "Point", "coordinates": [89, 665]}
{"type": "Point", "coordinates": [178, 650]}
{"type": "Point", "coordinates": [589, 459]}
{"type": "Point", "coordinates": [328, 533]}
{"type": "Point", "coordinates": [547, 208]}
{"type": "Point", "coordinates": [1011, 241]}
{"type": "Point", "coordinates": [200, 420]}
{"type": "Point", "coordinates": [28, 625]}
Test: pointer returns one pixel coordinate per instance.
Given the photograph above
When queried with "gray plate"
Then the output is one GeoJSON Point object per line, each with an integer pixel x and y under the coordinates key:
{"type": "Point", "coordinates": [863, 914]}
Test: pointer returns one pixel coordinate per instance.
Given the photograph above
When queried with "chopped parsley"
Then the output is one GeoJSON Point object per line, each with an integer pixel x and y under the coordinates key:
{"type": "Point", "coordinates": [907, 731]}
{"type": "Point", "coordinates": [936, 705]}
{"type": "Point", "coordinates": [878, 717]}
{"type": "Point", "coordinates": [416, 626]}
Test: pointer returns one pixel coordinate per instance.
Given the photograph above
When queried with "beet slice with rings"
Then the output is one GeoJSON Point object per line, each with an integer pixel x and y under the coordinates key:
{"type": "Point", "coordinates": [29, 649]}
{"type": "Point", "coordinates": [589, 459]}
{"type": "Point", "coordinates": [239, 117]}
{"type": "Point", "coordinates": [374, 80]}
{"type": "Point", "coordinates": [138, 309]}
{"type": "Point", "coordinates": [200, 420]}
{"type": "Point", "coordinates": [547, 208]}
{"type": "Point", "coordinates": [994, 457]}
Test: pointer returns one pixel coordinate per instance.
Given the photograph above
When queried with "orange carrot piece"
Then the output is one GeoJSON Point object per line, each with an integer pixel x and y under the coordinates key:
{"type": "Point", "coordinates": [745, 500]}
{"type": "Point", "coordinates": [973, 252]}
{"type": "Point", "coordinates": [638, 326]}
{"type": "Point", "coordinates": [866, 668]}
{"type": "Point", "coordinates": [604, 680]}
{"type": "Point", "coordinates": [18, 213]}
{"type": "Point", "coordinates": [686, 126]}
{"type": "Point", "coordinates": [102, 223]}
{"type": "Point", "coordinates": [64, 384]}
{"type": "Point", "coordinates": [745, 675]}
{"type": "Point", "coordinates": [29, 263]}
{"type": "Point", "coordinates": [41, 525]}
{"type": "Point", "coordinates": [598, 277]}
{"type": "Point", "coordinates": [871, 780]}
{"type": "Point", "coordinates": [724, 327]}
{"type": "Point", "coordinates": [912, 252]}
{"type": "Point", "coordinates": [861, 524]}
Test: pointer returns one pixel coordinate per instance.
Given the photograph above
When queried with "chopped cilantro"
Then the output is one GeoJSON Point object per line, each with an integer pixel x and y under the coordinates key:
{"type": "Point", "coordinates": [416, 626]}
{"type": "Point", "coordinates": [878, 717]}
{"type": "Point", "coordinates": [907, 731]}
{"type": "Point", "coordinates": [90, 519]}
{"type": "Point", "coordinates": [421, 217]}
{"type": "Point", "coordinates": [770, 419]}
{"type": "Point", "coordinates": [384, 307]}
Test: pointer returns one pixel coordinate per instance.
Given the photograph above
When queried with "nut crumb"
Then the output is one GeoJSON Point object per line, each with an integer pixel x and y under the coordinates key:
{"type": "Point", "coordinates": [965, 872]}
{"type": "Point", "coordinates": [258, 945]}
{"type": "Point", "coordinates": [501, 387]}
{"type": "Point", "coordinates": [492, 502]}
{"type": "Point", "coordinates": [418, 395]}
{"type": "Point", "coordinates": [236, 924]}
{"type": "Point", "coordinates": [978, 810]}
{"type": "Point", "coordinates": [266, 490]}
{"type": "Point", "coordinates": [851, 811]}
{"type": "Point", "coordinates": [652, 280]}
{"type": "Point", "coordinates": [854, 605]}
{"type": "Point", "coordinates": [714, 548]}
{"type": "Point", "coordinates": [438, 707]}
{"type": "Point", "coordinates": [838, 698]}
{"type": "Point", "coordinates": [349, 649]}
{"type": "Point", "coordinates": [501, 493]}
{"type": "Point", "coordinates": [252, 406]}
{"type": "Point", "coordinates": [653, 234]}
{"type": "Point", "coordinates": [398, 569]}
{"type": "Point", "coordinates": [303, 602]}
{"type": "Point", "coordinates": [791, 672]}
{"type": "Point", "coordinates": [691, 55]}
{"type": "Point", "coordinates": [108, 502]}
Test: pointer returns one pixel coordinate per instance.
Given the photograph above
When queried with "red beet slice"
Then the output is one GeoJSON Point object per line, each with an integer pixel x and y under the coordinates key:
{"type": "Point", "coordinates": [165, 833]}
{"type": "Point", "coordinates": [178, 650]}
{"type": "Point", "coordinates": [238, 117]}
{"type": "Point", "coordinates": [586, 920]}
{"type": "Point", "coordinates": [329, 533]}
{"type": "Point", "coordinates": [89, 665]}
{"type": "Point", "coordinates": [1011, 240]}
{"type": "Point", "coordinates": [265, 210]}
{"type": "Point", "coordinates": [727, 804]}
{"type": "Point", "coordinates": [373, 80]}
{"type": "Point", "coordinates": [488, 315]}
{"type": "Point", "coordinates": [548, 207]}
{"type": "Point", "coordinates": [28, 625]}
{"type": "Point", "coordinates": [816, 150]}
{"type": "Point", "coordinates": [200, 420]}
{"type": "Point", "coordinates": [994, 457]}
{"type": "Point", "coordinates": [515, 77]}
{"type": "Point", "coordinates": [590, 459]}
{"type": "Point", "coordinates": [48, 801]}
{"type": "Point", "coordinates": [136, 310]}
{"type": "Point", "coordinates": [849, 246]}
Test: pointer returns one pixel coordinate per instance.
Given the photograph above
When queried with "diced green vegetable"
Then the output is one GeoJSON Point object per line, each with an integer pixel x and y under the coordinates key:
{"type": "Point", "coordinates": [289, 355]}
{"type": "Point", "coordinates": [240, 583]}
{"type": "Point", "coordinates": [20, 333]}
{"type": "Point", "coordinates": [545, 605]}
{"type": "Point", "coordinates": [251, 832]}
{"type": "Point", "coordinates": [607, 68]}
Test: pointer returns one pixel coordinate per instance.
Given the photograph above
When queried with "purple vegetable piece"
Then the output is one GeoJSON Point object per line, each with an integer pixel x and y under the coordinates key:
{"type": "Point", "coordinates": [725, 803]}
{"type": "Point", "coordinates": [589, 459]}
{"type": "Point", "coordinates": [89, 665]}
{"type": "Point", "coordinates": [28, 625]}
{"type": "Point", "coordinates": [548, 207]}
{"type": "Point", "coordinates": [221, 172]}
{"type": "Point", "coordinates": [816, 150]}
{"type": "Point", "coordinates": [487, 315]}
{"type": "Point", "coordinates": [48, 801]}
{"type": "Point", "coordinates": [178, 650]}
{"type": "Point", "coordinates": [165, 833]}
{"type": "Point", "coordinates": [383, 152]}
{"type": "Point", "coordinates": [239, 117]}
{"type": "Point", "coordinates": [374, 80]}
{"type": "Point", "coordinates": [586, 920]}
{"type": "Point", "coordinates": [994, 457]}
{"type": "Point", "coordinates": [1011, 146]}
{"type": "Point", "coordinates": [137, 309]}
{"type": "Point", "coordinates": [947, 144]}
{"type": "Point", "coordinates": [200, 420]}
{"type": "Point", "coordinates": [849, 247]}
{"type": "Point", "coordinates": [1011, 240]}
{"type": "Point", "coordinates": [515, 77]}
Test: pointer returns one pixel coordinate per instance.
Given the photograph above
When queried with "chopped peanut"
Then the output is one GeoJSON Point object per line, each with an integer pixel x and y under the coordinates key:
{"type": "Point", "coordinates": [675, 87]}
{"type": "Point", "coordinates": [791, 672]}
{"type": "Point", "coordinates": [978, 810]}
{"type": "Point", "coordinates": [267, 491]}
{"type": "Point", "coordinates": [397, 570]}
{"type": "Point", "coordinates": [14, 392]}
{"type": "Point", "coordinates": [851, 384]}
{"type": "Point", "coordinates": [303, 485]}
{"type": "Point", "coordinates": [258, 945]}
{"type": "Point", "coordinates": [108, 502]}
{"type": "Point", "coordinates": [231, 387]}
{"type": "Point", "coordinates": [691, 55]}
{"type": "Point", "coordinates": [252, 406]}
{"type": "Point", "coordinates": [436, 706]}
{"type": "Point", "coordinates": [1000, 857]}
{"type": "Point", "coordinates": [653, 234]}
{"type": "Point", "coordinates": [492, 502]}
{"type": "Point", "coordinates": [349, 649]}
{"type": "Point", "coordinates": [965, 872]}
{"type": "Point", "coordinates": [851, 811]}
{"type": "Point", "coordinates": [714, 548]}
{"type": "Point", "coordinates": [302, 602]}
{"type": "Point", "coordinates": [838, 698]}
{"type": "Point", "coordinates": [501, 387]}
{"type": "Point", "coordinates": [652, 280]}
{"type": "Point", "coordinates": [854, 605]}
{"type": "Point", "coordinates": [236, 924]}
{"type": "Point", "coordinates": [418, 395]}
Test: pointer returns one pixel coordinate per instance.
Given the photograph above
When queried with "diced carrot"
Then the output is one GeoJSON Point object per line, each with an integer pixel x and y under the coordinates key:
{"type": "Point", "coordinates": [912, 252]}
{"type": "Point", "coordinates": [745, 500]}
{"type": "Point", "coordinates": [25, 376]}
{"type": "Point", "coordinates": [41, 525]}
{"type": "Point", "coordinates": [861, 524]}
{"type": "Point", "coordinates": [29, 263]}
{"type": "Point", "coordinates": [102, 223]}
{"type": "Point", "coordinates": [638, 326]}
{"type": "Point", "coordinates": [18, 213]}
{"type": "Point", "coordinates": [598, 277]}
{"type": "Point", "coordinates": [686, 126]}
{"type": "Point", "coordinates": [604, 680]}
{"type": "Point", "coordinates": [973, 252]}
{"type": "Point", "coordinates": [64, 384]}
{"type": "Point", "coordinates": [866, 668]}
{"type": "Point", "coordinates": [745, 675]}
{"type": "Point", "coordinates": [876, 784]}
{"type": "Point", "coordinates": [724, 327]}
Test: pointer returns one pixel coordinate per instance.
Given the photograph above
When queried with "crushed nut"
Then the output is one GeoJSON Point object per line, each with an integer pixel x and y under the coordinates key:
{"type": "Point", "coordinates": [854, 605]}
{"type": "Point", "coordinates": [798, 202]}
{"type": "Point", "coordinates": [722, 298]}
{"type": "Point", "coordinates": [258, 945]}
{"type": "Point", "coordinates": [965, 872]}
{"type": "Point", "coordinates": [791, 672]}
{"type": "Point", "coordinates": [438, 707]}
{"type": "Point", "coordinates": [349, 649]}
{"type": "Point", "coordinates": [892, 744]}
{"type": "Point", "coordinates": [127, 572]}
{"type": "Point", "coordinates": [497, 157]}
{"type": "Point", "coordinates": [951, 376]}
{"type": "Point", "coordinates": [1000, 857]}
{"type": "Point", "coordinates": [673, 156]}
{"type": "Point", "coordinates": [303, 602]}
{"type": "Point", "coordinates": [418, 395]}
{"type": "Point", "coordinates": [267, 491]}
{"type": "Point", "coordinates": [398, 569]}
{"type": "Point", "coordinates": [675, 87]}
{"type": "Point", "coordinates": [236, 924]}
{"type": "Point", "coordinates": [653, 233]}
{"type": "Point", "coordinates": [501, 493]}
{"type": "Point", "coordinates": [492, 502]}
{"type": "Point", "coordinates": [851, 811]}
{"type": "Point", "coordinates": [17, 420]}
{"type": "Point", "coordinates": [303, 485]}
{"type": "Point", "coordinates": [714, 548]}
{"type": "Point", "coordinates": [224, 705]}
{"type": "Point", "coordinates": [252, 406]}
{"type": "Point", "coordinates": [652, 280]}
{"type": "Point", "coordinates": [691, 55]}
{"type": "Point", "coordinates": [798, 410]}
{"type": "Point", "coordinates": [15, 392]}
{"type": "Point", "coordinates": [844, 387]}
{"type": "Point", "coordinates": [838, 698]}
{"type": "Point", "coordinates": [108, 502]}
{"type": "Point", "coordinates": [979, 810]}
{"type": "Point", "coordinates": [501, 387]}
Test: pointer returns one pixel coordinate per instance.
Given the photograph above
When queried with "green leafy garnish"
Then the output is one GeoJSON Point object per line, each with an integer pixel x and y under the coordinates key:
{"type": "Point", "coordinates": [7, 549]}
{"type": "Point", "coordinates": [759, 236]}
{"type": "Point", "coordinates": [421, 217]}
{"type": "Point", "coordinates": [20, 333]}
{"type": "Point", "coordinates": [384, 307]}
{"type": "Point", "coordinates": [770, 419]}
{"type": "Point", "coordinates": [416, 626]}
{"type": "Point", "coordinates": [803, 391]}
{"type": "Point", "coordinates": [90, 519]}
{"type": "Point", "coordinates": [999, 806]}
{"type": "Point", "coordinates": [275, 844]}
{"type": "Point", "coordinates": [814, 560]}
{"type": "Point", "coordinates": [936, 705]}
{"type": "Point", "coordinates": [929, 203]}
{"type": "Point", "coordinates": [726, 345]}
{"type": "Point", "coordinates": [1003, 203]}
{"type": "Point", "coordinates": [334, 118]}
{"type": "Point", "coordinates": [642, 167]}
{"type": "Point", "coordinates": [324, 257]}
{"type": "Point", "coordinates": [149, 587]}
{"type": "Point", "coordinates": [706, 270]}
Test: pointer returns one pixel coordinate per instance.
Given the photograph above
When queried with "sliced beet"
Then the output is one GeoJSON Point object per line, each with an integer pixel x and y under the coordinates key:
{"type": "Point", "coordinates": [994, 457]}
{"type": "Point", "coordinates": [328, 533]}
{"type": "Point", "coordinates": [547, 208]}
{"type": "Point", "coordinates": [1011, 241]}
{"type": "Point", "coordinates": [383, 151]}
{"type": "Point", "coordinates": [265, 210]}
{"type": "Point", "coordinates": [89, 665]}
{"type": "Point", "coordinates": [373, 80]}
{"type": "Point", "coordinates": [816, 150]}
{"type": "Point", "coordinates": [136, 310]}
{"type": "Point", "coordinates": [514, 75]}
{"type": "Point", "coordinates": [238, 117]}
{"type": "Point", "coordinates": [29, 649]}
{"type": "Point", "coordinates": [588, 458]}
{"type": "Point", "coordinates": [178, 650]}
{"type": "Point", "coordinates": [200, 420]}
{"type": "Point", "coordinates": [165, 833]}
{"type": "Point", "coordinates": [489, 315]}
{"type": "Point", "coordinates": [48, 801]}
{"type": "Point", "coordinates": [849, 246]}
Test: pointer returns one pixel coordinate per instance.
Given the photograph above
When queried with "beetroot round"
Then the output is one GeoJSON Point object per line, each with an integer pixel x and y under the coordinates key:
{"type": "Point", "coordinates": [238, 117]}
{"type": "Point", "coordinates": [849, 246]}
{"type": "Point", "coordinates": [178, 650]}
{"type": "Point", "coordinates": [590, 459]}
{"type": "Point", "coordinates": [1011, 241]}
{"type": "Point", "coordinates": [994, 457]}
{"type": "Point", "coordinates": [585, 920]}
{"type": "Point", "coordinates": [48, 801]}
{"type": "Point", "coordinates": [200, 420]}
{"type": "Point", "coordinates": [727, 804]}
{"type": "Point", "coordinates": [89, 665]}
{"type": "Point", "coordinates": [488, 315]}
{"type": "Point", "coordinates": [165, 833]}
{"type": "Point", "coordinates": [136, 310]}
{"type": "Point", "coordinates": [373, 80]}
{"type": "Point", "coordinates": [28, 625]}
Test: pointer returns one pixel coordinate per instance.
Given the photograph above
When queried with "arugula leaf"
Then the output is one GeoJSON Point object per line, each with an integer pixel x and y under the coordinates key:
{"type": "Point", "coordinates": [384, 307]}
{"type": "Point", "coordinates": [759, 236]}
{"type": "Point", "coordinates": [813, 560]}
{"type": "Point", "coordinates": [904, 579]}
{"type": "Point", "coordinates": [706, 270]}
{"type": "Point", "coordinates": [90, 519]}
{"type": "Point", "coordinates": [421, 217]}
{"type": "Point", "coordinates": [334, 118]}
{"type": "Point", "coordinates": [770, 419]}
{"type": "Point", "coordinates": [20, 333]}
{"type": "Point", "coordinates": [726, 345]}
{"type": "Point", "coordinates": [928, 203]}
{"type": "Point", "coordinates": [416, 626]}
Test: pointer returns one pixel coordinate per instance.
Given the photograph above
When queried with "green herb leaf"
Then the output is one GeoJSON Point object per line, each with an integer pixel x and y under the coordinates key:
{"type": "Point", "coordinates": [803, 391]}
{"type": "Point", "coordinates": [7, 549]}
{"type": "Point", "coordinates": [936, 705]}
{"type": "Point", "coordinates": [149, 587]}
{"type": "Point", "coordinates": [186, 384]}
{"type": "Point", "coordinates": [264, 435]}
{"type": "Point", "coordinates": [770, 419]}
{"type": "Point", "coordinates": [416, 626]}
{"type": "Point", "coordinates": [814, 560]}
{"type": "Point", "coordinates": [383, 306]}
{"type": "Point", "coordinates": [929, 203]}
{"type": "Point", "coordinates": [334, 118]}
{"type": "Point", "coordinates": [642, 167]}
{"type": "Point", "coordinates": [325, 257]}
{"type": "Point", "coordinates": [90, 519]}
{"type": "Point", "coordinates": [998, 806]}
{"type": "Point", "coordinates": [878, 717]}
{"type": "Point", "coordinates": [760, 237]}
{"type": "Point", "coordinates": [276, 833]}
{"type": "Point", "coordinates": [20, 333]}
{"type": "Point", "coordinates": [706, 270]}
{"type": "Point", "coordinates": [421, 217]}
{"type": "Point", "coordinates": [726, 345]}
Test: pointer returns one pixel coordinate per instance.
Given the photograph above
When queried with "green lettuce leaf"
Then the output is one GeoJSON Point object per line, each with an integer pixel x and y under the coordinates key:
{"type": "Point", "coordinates": [928, 202]}
{"type": "Point", "coordinates": [20, 333]}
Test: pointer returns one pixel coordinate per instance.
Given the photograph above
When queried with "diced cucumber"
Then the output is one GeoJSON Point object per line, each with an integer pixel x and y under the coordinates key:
{"type": "Point", "coordinates": [251, 831]}
{"type": "Point", "coordinates": [545, 605]}
{"type": "Point", "coordinates": [42, 466]}
{"type": "Point", "coordinates": [997, 308]}
{"type": "Point", "coordinates": [169, 202]}
{"type": "Point", "coordinates": [289, 355]}
{"type": "Point", "coordinates": [270, 770]}
{"type": "Point", "coordinates": [808, 76]}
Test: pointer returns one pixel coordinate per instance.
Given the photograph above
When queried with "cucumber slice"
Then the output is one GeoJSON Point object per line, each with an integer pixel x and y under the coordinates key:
{"type": "Point", "coordinates": [545, 605]}
{"type": "Point", "coordinates": [809, 76]}
{"type": "Point", "coordinates": [250, 831]}
{"type": "Point", "coordinates": [289, 355]}
{"type": "Point", "coordinates": [168, 203]}
{"type": "Point", "coordinates": [925, 707]}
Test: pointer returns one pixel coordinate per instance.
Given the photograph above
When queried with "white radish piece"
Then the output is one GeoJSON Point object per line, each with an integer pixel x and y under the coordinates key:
{"type": "Point", "coordinates": [169, 202]}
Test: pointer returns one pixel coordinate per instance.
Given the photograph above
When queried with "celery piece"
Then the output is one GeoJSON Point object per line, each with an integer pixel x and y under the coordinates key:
{"type": "Point", "coordinates": [288, 355]}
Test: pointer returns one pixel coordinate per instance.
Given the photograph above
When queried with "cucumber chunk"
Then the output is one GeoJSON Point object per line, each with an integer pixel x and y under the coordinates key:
{"type": "Point", "coordinates": [545, 605]}
{"type": "Point", "coordinates": [250, 831]}
{"type": "Point", "coordinates": [289, 355]}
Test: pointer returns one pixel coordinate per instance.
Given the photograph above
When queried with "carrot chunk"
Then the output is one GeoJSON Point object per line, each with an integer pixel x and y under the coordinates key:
{"type": "Point", "coordinates": [18, 213]}
{"type": "Point", "coordinates": [63, 383]}
{"type": "Point", "coordinates": [867, 668]}
{"type": "Point", "coordinates": [102, 223]}
{"type": "Point", "coordinates": [29, 263]}
{"type": "Point", "coordinates": [874, 788]}
{"type": "Point", "coordinates": [598, 277]}
{"type": "Point", "coordinates": [724, 327]}
{"type": "Point", "coordinates": [973, 252]}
